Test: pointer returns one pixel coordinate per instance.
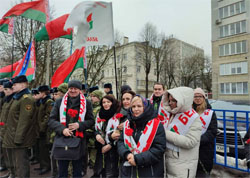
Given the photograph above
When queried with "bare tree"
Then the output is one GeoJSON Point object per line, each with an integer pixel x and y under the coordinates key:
{"type": "Point", "coordinates": [97, 58]}
{"type": "Point", "coordinates": [191, 68]}
{"type": "Point", "coordinates": [148, 37]}
{"type": "Point", "coordinates": [206, 74]}
{"type": "Point", "coordinates": [24, 31]}
{"type": "Point", "coordinates": [169, 63]}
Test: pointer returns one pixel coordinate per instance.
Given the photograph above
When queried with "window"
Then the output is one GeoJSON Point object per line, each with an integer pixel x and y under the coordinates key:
{"type": "Point", "coordinates": [245, 88]}
{"type": "Point", "coordinates": [233, 29]}
{"type": "Point", "coordinates": [232, 9]}
{"type": "Point", "coordinates": [138, 69]}
{"type": "Point", "coordinates": [124, 56]}
{"type": "Point", "coordinates": [233, 68]}
{"type": "Point", "coordinates": [234, 88]}
{"type": "Point", "coordinates": [125, 69]}
{"type": "Point", "coordinates": [118, 59]}
{"type": "Point", "coordinates": [233, 48]}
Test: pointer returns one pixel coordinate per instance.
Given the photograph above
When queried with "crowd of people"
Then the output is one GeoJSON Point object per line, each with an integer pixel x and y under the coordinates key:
{"type": "Point", "coordinates": [67, 130]}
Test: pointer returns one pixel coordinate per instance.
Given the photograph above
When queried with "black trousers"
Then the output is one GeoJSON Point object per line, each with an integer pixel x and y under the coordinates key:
{"type": "Point", "coordinates": [63, 168]}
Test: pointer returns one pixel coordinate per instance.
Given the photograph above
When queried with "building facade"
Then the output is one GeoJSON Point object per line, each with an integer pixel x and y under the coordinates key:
{"type": "Point", "coordinates": [230, 50]}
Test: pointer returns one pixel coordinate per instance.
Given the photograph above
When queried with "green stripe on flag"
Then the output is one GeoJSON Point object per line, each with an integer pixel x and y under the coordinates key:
{"type": "Point", "coordinates": [79, 64]}
{"type": "Point", "coordinates": [4, 28]}
{"type": "Point", "coordinates": [35, 15]}
{"type": "Point", "coordinates": [172, 130]}
{"type": "Point", "coordinates": [42, 35]}
{"type": "Point", "coordinates": [67, 37]}
{"type": "Point", "coordinates": [5, 75]}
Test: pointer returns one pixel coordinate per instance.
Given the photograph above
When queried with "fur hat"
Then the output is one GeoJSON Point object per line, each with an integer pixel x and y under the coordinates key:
{"type": "Point", "coordinates": [43, 88]}
{"type": "Point", "coordinates": [63, 88]}
{"type": "Point", "coordinates": [125, 88]}
{"type": "Point", "coordinates": [75, 84]}
{"type": "Point", "coordinates": [3, 80]}
{"type": "Point", "coordinates": [54, 90]}
{"type": "Point", "coordinates": [108, 85]}
{"type": "Point", "coordinates": [200, 91]}
{"type": "Point", "coordinates": [7, 84]}
{"type": "Point", "coordinates": [34, 91]}
{"type": "Point", "coordinates": [91, 89]}
{"type": "Point", "coordinates": [97, 93]}
{"type": "Point", "coordinates": [19, 79]}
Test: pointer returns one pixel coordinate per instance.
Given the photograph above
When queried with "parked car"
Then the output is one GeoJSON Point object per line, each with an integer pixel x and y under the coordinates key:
{"type": "Point", "coordinates": [230, 141]}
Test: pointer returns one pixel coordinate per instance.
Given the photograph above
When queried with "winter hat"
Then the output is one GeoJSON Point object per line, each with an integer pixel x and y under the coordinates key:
{"type": "Point", "coordinates": [43, 88]}
{"type": "Point", "coordinates": [97, 93]}
{"type": "Point", "coordinates": [53, 90]}
{"type": "Point", "coordinates": [108, 85]}
{"type": "Point", "coordinates": [75, 84]}
{"type": "Point", "coordinates": [34, 91]}
{"type": "Point", "coordinates": [125, 88]}
{"type": "Point", "coordinates": [199, 91]}
{"type": "Point", "coordinates": [91, 89]}
{"type": "Point", "coordinates": [63, 88]}
{"type": "Point", "coordinates": [3, 80]}
{"type": "Point", "coordinates": [7, 84]}
{"type": "Point", "coordinates": [83, 87]}
{"type": "Point", "coordinates": [19, 79]}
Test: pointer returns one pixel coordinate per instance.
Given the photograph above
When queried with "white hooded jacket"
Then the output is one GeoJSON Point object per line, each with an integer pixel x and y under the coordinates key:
{"type": "Point", "coordinates": [183, 163]}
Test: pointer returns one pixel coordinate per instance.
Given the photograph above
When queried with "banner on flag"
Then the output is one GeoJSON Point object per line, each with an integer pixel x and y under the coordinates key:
{"type": "Point", "coordinates": [94, 21]}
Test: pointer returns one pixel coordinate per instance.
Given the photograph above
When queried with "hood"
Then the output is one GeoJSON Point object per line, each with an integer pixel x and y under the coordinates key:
{"type": "Point", "coordinates": [184, 97]}
{"type": "Point", "coordinates": [143, 119]}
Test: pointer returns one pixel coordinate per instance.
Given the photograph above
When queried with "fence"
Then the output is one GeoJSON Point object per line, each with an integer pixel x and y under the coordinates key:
{"type": "Point", "coordinates": [232, 126]}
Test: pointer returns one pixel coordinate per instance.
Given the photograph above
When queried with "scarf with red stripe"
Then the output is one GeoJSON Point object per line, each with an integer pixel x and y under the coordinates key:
{"type": "Point", "coordinates": [205, 118]}
{"type": "Point", "coordinates": [82, 112]}
{"type": "Point", "coordinates": [146, 138]}
{"type": "Point", "coordinates": [111, 126]}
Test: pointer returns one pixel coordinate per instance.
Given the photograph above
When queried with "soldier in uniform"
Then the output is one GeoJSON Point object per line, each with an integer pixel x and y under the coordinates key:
{"type": "Point", "coordinates": [43, 117]}
{"type": "Point", "coordinates": [20, 125]}
{"type": "Point", "coordinates": [35, 148]}
{"type": "Point", "coordinates": [2, 162]}
{"type": "Point", "coordinates": [4, 113]}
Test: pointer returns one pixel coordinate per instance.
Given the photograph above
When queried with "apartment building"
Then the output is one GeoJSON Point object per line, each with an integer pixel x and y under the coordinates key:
{"type": "Point", "coordinates": [230, 50]}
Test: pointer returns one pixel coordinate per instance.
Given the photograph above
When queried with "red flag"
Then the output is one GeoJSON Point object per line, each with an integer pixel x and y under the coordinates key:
{"type": "Point", "coordinates": [36, 10]}
{"type": "Point", "coordinates": [54, 29]}
{"type": "Point", "coordinates": [65, 70]}
{"type": "Point", "coordinates": [5, 72]}
{"type": "Point", "coordinates": [7, 25]}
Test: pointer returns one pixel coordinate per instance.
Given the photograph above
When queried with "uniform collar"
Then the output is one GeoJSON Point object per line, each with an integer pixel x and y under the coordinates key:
{"type": "Point", "coordinates": [18, 95]}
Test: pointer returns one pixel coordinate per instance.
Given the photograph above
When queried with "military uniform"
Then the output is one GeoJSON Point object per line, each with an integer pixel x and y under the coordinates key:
{"type": "Point", "coordinates": [43, 117]}
{"type": "Point", "coordinates": [19, 134]}
{"type": "Point", "coordinates": [7, 153]}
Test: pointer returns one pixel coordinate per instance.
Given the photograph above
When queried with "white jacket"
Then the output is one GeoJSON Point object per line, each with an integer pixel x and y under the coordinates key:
{"type": "Point", "coordinates": [183, 163]}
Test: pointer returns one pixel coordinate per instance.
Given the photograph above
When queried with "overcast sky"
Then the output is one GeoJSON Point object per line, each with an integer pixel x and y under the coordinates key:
{"type": "Point", "coordinates": [187, 20]}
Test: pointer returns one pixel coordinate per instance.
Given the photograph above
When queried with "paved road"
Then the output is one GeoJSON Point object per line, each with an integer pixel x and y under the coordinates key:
{"type": "Point", "coordinates": [34, 173]}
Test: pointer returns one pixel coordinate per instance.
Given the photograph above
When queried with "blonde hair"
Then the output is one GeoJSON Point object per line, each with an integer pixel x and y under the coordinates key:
{"type": "Point", "coordinates": [136, 98]}
{"type": "Point", "coordinates": [202, 107]}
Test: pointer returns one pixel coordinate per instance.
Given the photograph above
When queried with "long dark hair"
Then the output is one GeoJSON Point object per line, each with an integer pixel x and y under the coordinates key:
{"type": "Point", "coordinates": [130, 92]}
{"type": "Point", "coordinates": [115, 107]}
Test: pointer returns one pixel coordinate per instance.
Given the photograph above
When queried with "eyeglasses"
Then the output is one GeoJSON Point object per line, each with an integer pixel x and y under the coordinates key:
{"type": "Point", "coordinates": [198, 97]}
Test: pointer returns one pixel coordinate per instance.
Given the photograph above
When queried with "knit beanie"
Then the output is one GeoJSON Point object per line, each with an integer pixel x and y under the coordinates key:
{"type": "Point", "coordinates": [63, 88]}
{"type": "Point", "coordinates": [199, 91]}
{"type": "Point", "coordinates": [97, 93]}
{"type": "Point", "coordinates": [75, 84]}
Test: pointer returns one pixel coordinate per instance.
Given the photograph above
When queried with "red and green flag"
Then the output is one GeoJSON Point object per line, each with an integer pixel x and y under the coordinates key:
{"type": "Point", "coordinates": [54, 29]}
{"type": "Point", "coordinates": [66, 69]}
{"type": "Point", "coordinates": [36, 10]}
{"type": "Point", "coordinates": [7, 25]}
{"type": "Point", "coordinates": [27, 66]}
{"type": "Point", "coordinates": [6, 72]}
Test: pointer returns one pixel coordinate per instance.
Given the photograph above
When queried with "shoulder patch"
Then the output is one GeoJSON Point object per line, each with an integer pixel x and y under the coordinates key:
{"type": "Point", "coordinates": [25, 96]}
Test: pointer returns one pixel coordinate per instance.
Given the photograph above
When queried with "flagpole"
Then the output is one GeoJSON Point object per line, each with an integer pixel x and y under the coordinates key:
{"type": "Point", "coordinates": [116, 84]}
{"type": "Point", "coordinates": [85, 69]}
{"type": "Point", "coordinates": [48, 63]}
{"type": "Point", "coordinates": [12, 53]}
{"type": "Point", "coordinates": [71, 46]}
{"type": "Point", "coordinates": [13, 47]}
